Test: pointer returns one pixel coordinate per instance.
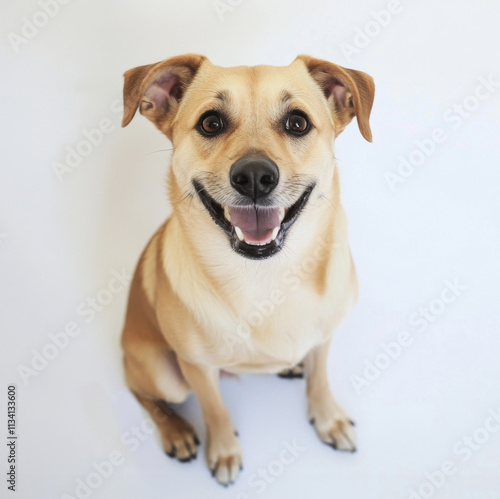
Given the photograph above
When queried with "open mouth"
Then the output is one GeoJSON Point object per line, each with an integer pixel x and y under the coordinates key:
{"type": "Point", "coordinates": [254, 231]}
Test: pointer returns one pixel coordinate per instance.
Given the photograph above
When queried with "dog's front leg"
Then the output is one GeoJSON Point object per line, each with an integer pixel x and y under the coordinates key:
{"type": "Point", "coordinates": [332, 423]}
{"type": "Point", "coordinates": [223, 449]}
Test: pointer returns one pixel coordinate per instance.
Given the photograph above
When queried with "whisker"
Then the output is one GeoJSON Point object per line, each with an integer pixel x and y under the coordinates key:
{"type": "Point", "coordinates": [185, 193]}
{"type": "Point", "coordinates": [329, 200]}
{"type": "Point", "coordinates": [160, 150]}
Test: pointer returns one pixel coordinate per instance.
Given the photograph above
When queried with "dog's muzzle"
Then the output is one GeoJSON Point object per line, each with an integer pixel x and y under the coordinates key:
{"type": "Point", "coordinates": [256, 227]}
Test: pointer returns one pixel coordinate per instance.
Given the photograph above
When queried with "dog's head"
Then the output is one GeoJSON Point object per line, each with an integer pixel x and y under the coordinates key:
{"type": "Point", "coordinates": [252, 144]}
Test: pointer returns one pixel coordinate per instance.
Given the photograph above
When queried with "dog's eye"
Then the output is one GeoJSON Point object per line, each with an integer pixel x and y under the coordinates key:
{"type": "Point", "coordinates": [210, 124]}
{"type": "Point", "coordinates": [297, 124]}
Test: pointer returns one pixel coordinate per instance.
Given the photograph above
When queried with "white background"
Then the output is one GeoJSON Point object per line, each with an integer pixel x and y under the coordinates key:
{"type": "Point", "coordinates": [60, 242]}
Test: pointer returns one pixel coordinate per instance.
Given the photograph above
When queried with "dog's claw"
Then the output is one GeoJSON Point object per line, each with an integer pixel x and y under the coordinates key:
{"type": "Point", "coordinates": [214, 469]}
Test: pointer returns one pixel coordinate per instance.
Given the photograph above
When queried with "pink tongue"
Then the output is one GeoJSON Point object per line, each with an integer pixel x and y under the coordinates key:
{"type": "Point", "coordinates": [256, 223]}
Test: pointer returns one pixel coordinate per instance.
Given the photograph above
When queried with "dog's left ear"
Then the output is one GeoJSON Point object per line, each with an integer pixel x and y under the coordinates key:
{"type": "Point", "coordinates": [157, 89]}
{"type": "Point", "coordinates": [350, 92]}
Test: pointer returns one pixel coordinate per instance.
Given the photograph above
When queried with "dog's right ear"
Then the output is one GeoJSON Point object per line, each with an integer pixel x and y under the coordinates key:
{"type": "Point", "coordinates": [157, 89]}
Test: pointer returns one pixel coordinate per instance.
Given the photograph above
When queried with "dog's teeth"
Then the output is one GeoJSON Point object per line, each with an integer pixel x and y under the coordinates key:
{"type": "Point", "coordinates": [227, 214]}
{"type": "Point", "coordinates": [239, 233]}
{"type": "Point", "coordinates": [282, 214]}
{"type": "Point", "coordinates": [275, 233]}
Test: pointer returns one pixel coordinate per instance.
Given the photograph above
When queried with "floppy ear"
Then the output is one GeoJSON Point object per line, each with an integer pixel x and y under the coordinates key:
{"type": "Point", "coordinates": [156, 89]}
{"type": "Point", "coordinates": [350, 92]}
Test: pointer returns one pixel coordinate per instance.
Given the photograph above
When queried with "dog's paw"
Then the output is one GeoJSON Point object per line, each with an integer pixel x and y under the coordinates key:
{"type": "Point", "coordinates": [337, 431]}
{"type": "Point", "coordinates": [180, 440]}
{"type": "Point", "coordinates": [225, 459]}
{"type": "Point", "coordinates": [295, 372]}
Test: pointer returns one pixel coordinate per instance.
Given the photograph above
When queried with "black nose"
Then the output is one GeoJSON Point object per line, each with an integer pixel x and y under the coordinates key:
{"type": "Point", "coordinates": [254, 177]}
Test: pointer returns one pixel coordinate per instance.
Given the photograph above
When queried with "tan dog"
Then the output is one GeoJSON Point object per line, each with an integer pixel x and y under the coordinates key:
{"type": "Point", "coordinates": [252, 272]}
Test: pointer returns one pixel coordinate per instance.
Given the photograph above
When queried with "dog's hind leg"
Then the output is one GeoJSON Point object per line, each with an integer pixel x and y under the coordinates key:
{"type": "Point", "coordinates": [155, 384]}
{"type": "Point", "coordinates": [151, 368]}
{"type": "Point", "coordinates": [178, 436]}
{"type": "Point", "coordinates": [293, 373]}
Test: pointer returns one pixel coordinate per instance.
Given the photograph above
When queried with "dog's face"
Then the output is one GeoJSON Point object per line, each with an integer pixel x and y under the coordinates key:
{"type": "Point", "coordinates": [251, 143]}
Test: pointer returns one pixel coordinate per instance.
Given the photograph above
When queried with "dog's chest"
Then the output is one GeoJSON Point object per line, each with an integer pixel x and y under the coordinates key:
{"type": "Point", "coordinates": [278, 321]}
